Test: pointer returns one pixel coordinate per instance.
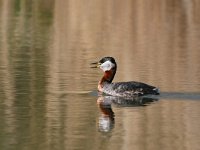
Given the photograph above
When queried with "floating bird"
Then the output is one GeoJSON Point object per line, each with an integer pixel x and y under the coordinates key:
{"type": "Point", "coordinates": [122, 89]}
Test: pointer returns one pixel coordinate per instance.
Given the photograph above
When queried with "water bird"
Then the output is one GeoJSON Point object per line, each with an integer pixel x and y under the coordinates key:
{"type": "Point", "coordinates": [121, 89]}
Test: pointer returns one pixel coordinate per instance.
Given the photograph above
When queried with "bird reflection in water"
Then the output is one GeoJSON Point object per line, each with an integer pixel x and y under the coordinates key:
{"type": "Point", "coordinates": [107, 118]}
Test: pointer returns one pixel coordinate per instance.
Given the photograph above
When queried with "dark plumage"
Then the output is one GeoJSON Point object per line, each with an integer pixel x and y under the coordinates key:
{"type": "Point", "coordinates": [130, 89]}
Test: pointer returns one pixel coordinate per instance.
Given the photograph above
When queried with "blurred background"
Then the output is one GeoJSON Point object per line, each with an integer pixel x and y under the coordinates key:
{"type": "Point", "coordinates": [48, 92]}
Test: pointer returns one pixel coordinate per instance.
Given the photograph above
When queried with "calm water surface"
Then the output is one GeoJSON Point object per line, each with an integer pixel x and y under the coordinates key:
{"type": "Point", "coordinates": [48, 97]}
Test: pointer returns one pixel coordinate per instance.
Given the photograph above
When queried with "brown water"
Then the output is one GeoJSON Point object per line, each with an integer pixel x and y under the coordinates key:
{"type": "Point", "coordinates": [48, 97]}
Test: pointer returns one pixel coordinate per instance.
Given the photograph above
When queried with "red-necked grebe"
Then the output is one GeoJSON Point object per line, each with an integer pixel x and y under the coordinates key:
{"type": "Point", "coordinates": [122, 89]}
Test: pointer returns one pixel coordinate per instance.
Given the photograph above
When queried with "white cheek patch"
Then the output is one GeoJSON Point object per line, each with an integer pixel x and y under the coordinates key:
{"type": "Point", "coordinates": [106, 66]}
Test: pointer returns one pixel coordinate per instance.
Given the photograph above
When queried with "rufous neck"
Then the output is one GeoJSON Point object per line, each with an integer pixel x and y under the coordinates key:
{"type": "Point", "coordinates": [108, 76]}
